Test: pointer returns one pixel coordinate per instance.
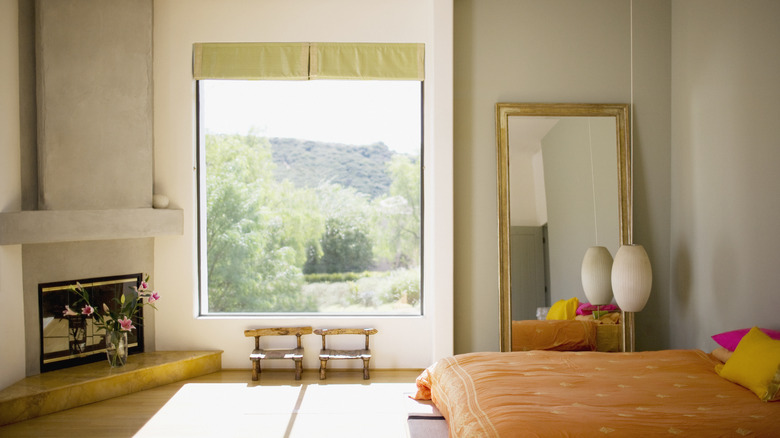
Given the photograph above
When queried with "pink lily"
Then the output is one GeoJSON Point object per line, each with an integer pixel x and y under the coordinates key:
{"type": "Point", "coordinates": [127, 324]}
{"type": "Point", "coordinates": [87, 310]}
{"type": "Point", "coordinates": [154, 297]}
{"type": "Point", "coordinates": [144, 285]}
{"type": "Point", "coordinates": [68, 312]}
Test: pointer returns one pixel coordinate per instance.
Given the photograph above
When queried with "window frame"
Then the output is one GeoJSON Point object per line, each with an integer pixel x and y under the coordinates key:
{"type": "Point", "coordinates": [202, 260]}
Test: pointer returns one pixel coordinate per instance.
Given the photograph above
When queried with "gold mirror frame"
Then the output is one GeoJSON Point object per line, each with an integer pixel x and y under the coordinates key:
{"type": "Point", "coordinates": [506, 110]}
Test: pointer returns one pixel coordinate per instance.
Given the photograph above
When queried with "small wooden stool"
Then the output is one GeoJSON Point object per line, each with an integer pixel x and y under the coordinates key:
{"type": "Point", "coordinates": [296, 354]}
{"type": "Point", "coordinates": [326, 353]}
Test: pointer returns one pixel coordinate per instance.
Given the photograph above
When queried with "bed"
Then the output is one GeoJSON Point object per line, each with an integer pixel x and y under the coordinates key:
{"type": "Point", "coordinates": [553, 393]}
{"type": "Point", "coordinates": [566, 335]}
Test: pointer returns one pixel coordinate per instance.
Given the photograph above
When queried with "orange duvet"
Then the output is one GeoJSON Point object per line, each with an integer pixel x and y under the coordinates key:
{"type": "Point", "coordinates": [585, 394]}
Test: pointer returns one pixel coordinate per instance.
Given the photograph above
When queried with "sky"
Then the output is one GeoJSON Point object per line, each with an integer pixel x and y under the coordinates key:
{"type": "Point", "coordinates": [349, 112]}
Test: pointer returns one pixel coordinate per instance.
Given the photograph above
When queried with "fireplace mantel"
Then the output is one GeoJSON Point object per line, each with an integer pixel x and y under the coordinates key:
{"type": "Point", "coordinates": [50, 226]}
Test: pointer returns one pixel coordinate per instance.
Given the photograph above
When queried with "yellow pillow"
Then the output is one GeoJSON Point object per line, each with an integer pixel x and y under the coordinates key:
{"type": "Point", "coordinates": [564, 309]}
{"type": "Point", "coordinates": [755, 364]}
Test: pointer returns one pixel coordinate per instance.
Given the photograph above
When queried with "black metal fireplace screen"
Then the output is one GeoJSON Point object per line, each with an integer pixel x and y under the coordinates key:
{"type": "Point", "coordinates": [73, 340]}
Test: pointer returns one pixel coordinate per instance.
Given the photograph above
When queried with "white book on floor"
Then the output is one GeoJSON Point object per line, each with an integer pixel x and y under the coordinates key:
{"type": "Point", "coordinates": [420, 408]}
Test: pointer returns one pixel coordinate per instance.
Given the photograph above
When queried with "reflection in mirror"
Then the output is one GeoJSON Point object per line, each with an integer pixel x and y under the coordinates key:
{"type": "Point", "coordinates": [73, 340]}
{"type": "Point", "coordinates": [563, 187]}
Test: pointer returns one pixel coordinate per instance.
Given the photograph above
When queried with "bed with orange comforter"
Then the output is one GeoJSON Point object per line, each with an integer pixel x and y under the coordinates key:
{"type": "Point", "coordinates": [568, 394]}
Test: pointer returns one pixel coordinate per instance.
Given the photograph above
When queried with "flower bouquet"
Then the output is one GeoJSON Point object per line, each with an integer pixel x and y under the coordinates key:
{"type": "Point", "coordinates": [118, 322]}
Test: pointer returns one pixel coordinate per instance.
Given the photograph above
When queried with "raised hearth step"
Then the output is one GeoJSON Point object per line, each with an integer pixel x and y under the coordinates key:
{"type": "Point", "coordinates": [67, 388]}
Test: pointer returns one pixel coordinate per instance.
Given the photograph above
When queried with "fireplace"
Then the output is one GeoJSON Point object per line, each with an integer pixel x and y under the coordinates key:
{"type": "Point", "coordinates": [67, 341]}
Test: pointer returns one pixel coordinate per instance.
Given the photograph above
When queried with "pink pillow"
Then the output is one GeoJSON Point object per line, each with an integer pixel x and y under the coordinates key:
{"type": "Point", "coordinates": [588, 308]}
{"type": "Point", "coordinates": [730, 340]}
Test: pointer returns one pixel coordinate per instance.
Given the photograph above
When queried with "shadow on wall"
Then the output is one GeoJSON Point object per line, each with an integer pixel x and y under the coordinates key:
{"type": "Point", "coordinates": [681, 299]}
{"type": "Point", "coordinates": [467, 292]}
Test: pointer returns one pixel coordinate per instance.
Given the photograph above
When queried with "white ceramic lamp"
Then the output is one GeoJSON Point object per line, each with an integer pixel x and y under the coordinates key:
{"type": "Point", "coordinates": [595, 273]}
{"type": "Point", "coordinates": [632, 278]}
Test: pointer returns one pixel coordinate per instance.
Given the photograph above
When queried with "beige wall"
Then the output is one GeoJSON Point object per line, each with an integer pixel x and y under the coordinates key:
{"type": "Point", "coordinates": [12, 344]}
{"type": "Point", "coordinates": [726, 151]}
{"type": "Point", "coordinates": [555, 51]}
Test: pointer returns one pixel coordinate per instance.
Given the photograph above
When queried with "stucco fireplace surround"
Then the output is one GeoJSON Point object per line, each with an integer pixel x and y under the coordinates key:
{"type": "Point", "coordinates": [93, 214]}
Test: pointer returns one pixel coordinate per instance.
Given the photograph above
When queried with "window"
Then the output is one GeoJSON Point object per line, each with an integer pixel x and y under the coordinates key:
{"type": "Point", "coordinates": [310, 196]}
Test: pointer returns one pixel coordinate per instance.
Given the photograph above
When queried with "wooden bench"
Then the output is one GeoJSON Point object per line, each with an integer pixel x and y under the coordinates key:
{"type": "Point", "coordinates": [296, 354]}
{"type": "Point", "coordinates": [328, 353]}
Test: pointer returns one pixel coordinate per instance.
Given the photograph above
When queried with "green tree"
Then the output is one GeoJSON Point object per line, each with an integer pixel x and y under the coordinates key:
{"type": "Point", "coordinates": [252, 264]}
{"type": "Point", "coordinates": [397, 221]}
{"type": "Point", "coordinates": [345, 244]}
{"type": "Point", "coordinates": [264, 232]}
{"type": "Point", "coordinates": [345, 247]}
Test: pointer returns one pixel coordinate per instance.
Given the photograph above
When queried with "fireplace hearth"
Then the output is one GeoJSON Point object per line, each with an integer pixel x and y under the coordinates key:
{"type": "Point", "coordinates": [68, 341]}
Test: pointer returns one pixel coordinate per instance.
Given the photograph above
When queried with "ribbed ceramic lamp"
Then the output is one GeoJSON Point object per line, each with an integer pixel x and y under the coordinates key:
{"type": "Point", "coordinates": [632, 278]}
{"type": "Point", "coordinates": [596, 275]}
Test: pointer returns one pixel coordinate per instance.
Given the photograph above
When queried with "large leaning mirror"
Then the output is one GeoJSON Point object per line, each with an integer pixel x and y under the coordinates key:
{"type": "Point", "coordinates": [564, 185]}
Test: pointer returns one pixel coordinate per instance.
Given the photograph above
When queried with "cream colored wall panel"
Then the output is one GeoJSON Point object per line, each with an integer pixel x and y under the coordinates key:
{"type": "Point", "coordinates": [12, 357]}
{"type": "Point", "coordinates": [94, 67]}
{"type": "Point", "coordinates": [725, 202]}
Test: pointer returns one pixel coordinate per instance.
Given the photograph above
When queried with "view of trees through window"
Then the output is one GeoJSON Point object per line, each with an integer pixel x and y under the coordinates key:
{"type": "Point", "coordinates": [310, 197]}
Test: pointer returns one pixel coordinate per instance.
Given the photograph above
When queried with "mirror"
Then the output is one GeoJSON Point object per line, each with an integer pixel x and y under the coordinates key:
{"type": "Point", "coordinates": [564, 184]}
{"type": "Point", "coordinates": [67, 341]}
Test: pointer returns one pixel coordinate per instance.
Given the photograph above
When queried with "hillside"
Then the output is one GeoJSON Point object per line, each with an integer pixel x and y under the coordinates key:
{"type": "Point", "coordinates": [309, 163]}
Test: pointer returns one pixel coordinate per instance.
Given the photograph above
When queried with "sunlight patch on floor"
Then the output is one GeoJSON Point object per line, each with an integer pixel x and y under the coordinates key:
{"type": "Point", "coordinates": [301, 410]}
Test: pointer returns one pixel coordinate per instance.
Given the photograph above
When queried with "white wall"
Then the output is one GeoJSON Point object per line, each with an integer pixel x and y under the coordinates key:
{"type": "Point", "coordinates": [726, 151]}
{"type": "Point", "coordinates": [524, 201]}
{"type": "Point", "coordinates": [555, 51]}
{"type": "Point", "coordinates": [12, 358]}
{"type": "Point", "coordinates": [402, 342]}
{"type": "Point", "coordinates": [570, 183]}
{"type": "Point", "coordinates": [527, 191]}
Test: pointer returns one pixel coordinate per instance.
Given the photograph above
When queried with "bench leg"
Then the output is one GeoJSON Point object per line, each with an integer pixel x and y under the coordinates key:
{"type": "Point", "coordinates": [323, 364]}
{"type": "Point", "coordinates": [255, 369]}
{"type": "Point", "coordinates": [365, 369]}
{"type": "Point", "coordinates": [298, 369]}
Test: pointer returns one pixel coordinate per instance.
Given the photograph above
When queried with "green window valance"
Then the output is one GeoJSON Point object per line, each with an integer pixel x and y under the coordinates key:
{"type": "Point", "coordinates": [273, 61]}
{"type": "Point", "coordinates": [304, 61]}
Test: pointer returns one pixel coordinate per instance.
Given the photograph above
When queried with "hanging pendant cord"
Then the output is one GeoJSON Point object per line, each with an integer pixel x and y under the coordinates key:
{"type": "Point", "coordinates": [631, 104]}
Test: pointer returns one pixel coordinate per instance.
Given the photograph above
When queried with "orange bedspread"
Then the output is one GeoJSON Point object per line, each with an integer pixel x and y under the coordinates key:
{"type": "Point", "coordinates": [567, 394]}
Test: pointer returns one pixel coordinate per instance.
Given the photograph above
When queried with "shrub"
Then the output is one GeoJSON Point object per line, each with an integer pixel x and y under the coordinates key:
{"type": "Point", "coordinates": [404, 285]}
{"type": "Point", "coordinates": [337, 277]}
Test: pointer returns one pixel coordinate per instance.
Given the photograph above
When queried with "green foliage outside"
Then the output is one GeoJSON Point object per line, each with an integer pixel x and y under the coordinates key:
{"type": "Point", "coordinates": [345, 247]}
{"type": "Point", "coordinates": [268, 237]}
{"type": "Point", "coordinates": [338, 277]}
{"type": "Point", "coordinates": [396, 291]}
{"type": "Point", "coordinates": [309, 164]}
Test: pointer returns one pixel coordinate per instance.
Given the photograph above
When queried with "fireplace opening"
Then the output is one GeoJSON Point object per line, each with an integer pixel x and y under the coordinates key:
{"type": "Point", "coordinates": [68, 341]}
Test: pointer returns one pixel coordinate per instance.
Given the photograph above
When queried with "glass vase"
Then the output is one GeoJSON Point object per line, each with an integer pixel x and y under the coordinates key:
{"type": "Point", "coordinates": [77, 336]}
{"type": "Point", "coordinates": [116, 348]}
